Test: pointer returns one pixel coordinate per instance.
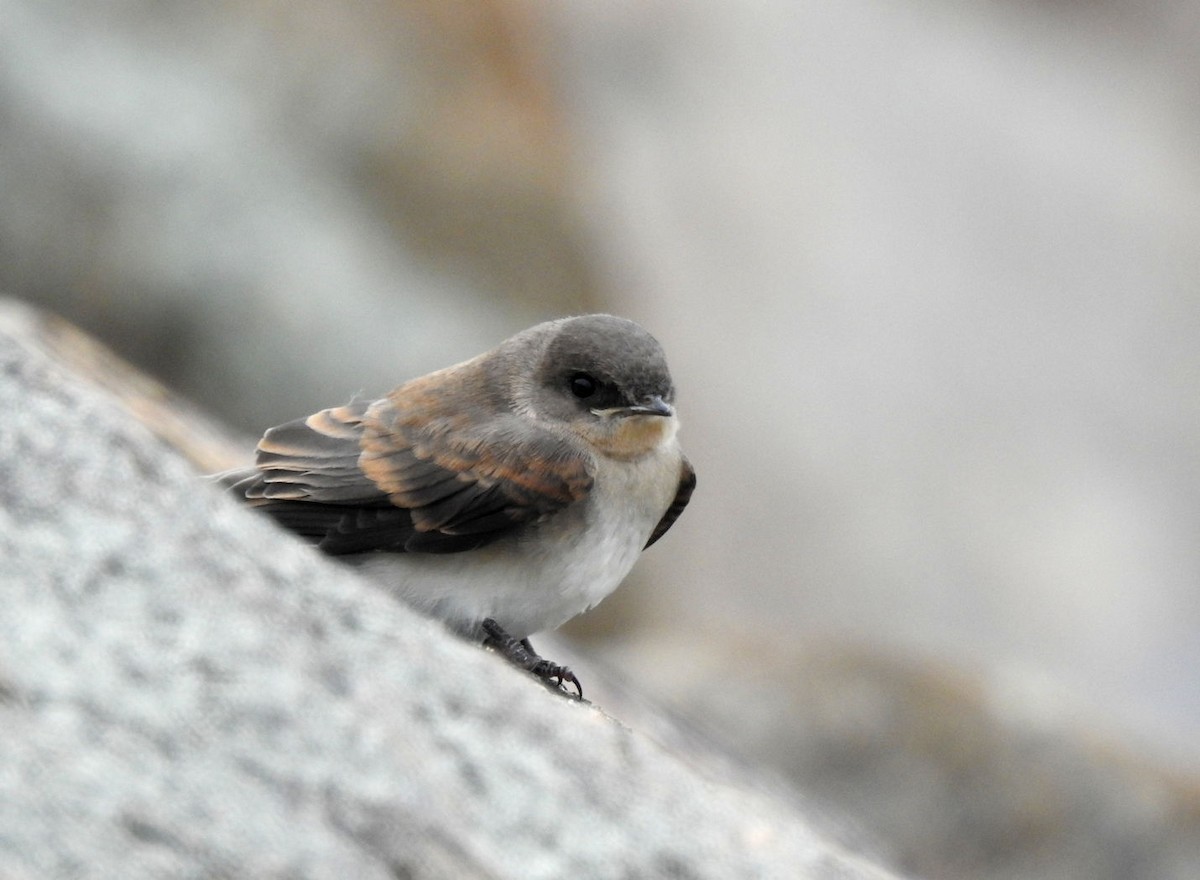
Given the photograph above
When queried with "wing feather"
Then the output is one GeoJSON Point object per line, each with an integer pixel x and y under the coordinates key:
{"type": "Point", "coordinates": [426, 469]}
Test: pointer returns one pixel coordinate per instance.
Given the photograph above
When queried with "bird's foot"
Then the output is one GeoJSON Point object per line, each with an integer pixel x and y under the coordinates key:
{"type": "Point", "coordinates": [520, 653]}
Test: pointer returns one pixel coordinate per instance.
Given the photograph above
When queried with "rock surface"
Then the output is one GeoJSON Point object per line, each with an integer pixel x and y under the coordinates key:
{"type": "Point", "coordinates": [187, 692]}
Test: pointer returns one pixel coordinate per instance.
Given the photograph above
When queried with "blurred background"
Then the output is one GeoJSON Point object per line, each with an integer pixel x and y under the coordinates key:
{"type": "Point", "coordinates": [926, 273]}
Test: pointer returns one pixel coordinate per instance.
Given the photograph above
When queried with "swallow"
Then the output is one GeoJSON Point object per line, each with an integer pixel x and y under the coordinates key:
{"type": "Point", "coordinates": [503, 495]}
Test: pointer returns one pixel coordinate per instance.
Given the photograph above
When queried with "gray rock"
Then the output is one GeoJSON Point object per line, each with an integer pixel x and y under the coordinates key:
{"type": "Point", "coordinates": [187, 692]}
{"type": "Point", "coordinates": [961, 771]}
{"type": "Point", "coordinates": [216, 189]}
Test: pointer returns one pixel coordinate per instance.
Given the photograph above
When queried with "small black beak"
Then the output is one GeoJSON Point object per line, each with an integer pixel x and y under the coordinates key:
{"type": "Point", "coordinates": [652, 406]}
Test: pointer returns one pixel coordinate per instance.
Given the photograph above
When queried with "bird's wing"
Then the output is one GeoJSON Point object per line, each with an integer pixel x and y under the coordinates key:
{"type": "Point", "coordinates": [426, 469]}
{"type": "Point", "coordinates": [687, 485]}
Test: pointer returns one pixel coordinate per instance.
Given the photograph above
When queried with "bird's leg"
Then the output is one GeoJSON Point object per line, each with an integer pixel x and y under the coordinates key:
{"type": "Point", "coordinates": [520, 653]}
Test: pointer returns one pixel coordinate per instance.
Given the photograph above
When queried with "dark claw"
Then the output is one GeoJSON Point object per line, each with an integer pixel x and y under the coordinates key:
{"type": "Point", "coordinates": [559, 676]}
{"type": "Point", "coordinates": [520, 653]}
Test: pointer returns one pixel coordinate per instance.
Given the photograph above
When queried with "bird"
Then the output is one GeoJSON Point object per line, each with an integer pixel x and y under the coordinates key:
{"type": "Point", "coordinates": [503, 495]}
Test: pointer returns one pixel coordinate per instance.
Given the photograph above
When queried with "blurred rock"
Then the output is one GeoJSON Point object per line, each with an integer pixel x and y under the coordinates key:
{"type": "Point", "coordinates": [481, 166]}
{"type": "Point", "coordinates": [271, 206]}
{"type": "Point", "coordinates": [960, 773]}
{"type": "Point", "coordinates": [186, 691]}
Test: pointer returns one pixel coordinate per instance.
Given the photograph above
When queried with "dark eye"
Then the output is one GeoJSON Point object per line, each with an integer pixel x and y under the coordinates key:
{"type": "Point", "coordinates": [582, 385]}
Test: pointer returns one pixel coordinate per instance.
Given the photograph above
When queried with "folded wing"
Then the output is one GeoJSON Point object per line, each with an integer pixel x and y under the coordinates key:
{"type": "Point", "coordinates": [415, 472]}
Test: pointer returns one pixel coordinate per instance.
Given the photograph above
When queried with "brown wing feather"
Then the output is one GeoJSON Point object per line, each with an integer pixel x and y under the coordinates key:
{"type": "Point", "coordinates": [687, 485]}
{"type": "Point", "coordinates": [462, 465]}
{"type": "Point", "coordinates": [313, 460]}
{"type": "Point", "coordinates": [426, 469]}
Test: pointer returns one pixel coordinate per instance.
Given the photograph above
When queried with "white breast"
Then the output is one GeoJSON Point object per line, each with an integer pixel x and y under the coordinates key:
{"type": "Point", "coordinates": [546, 575]}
